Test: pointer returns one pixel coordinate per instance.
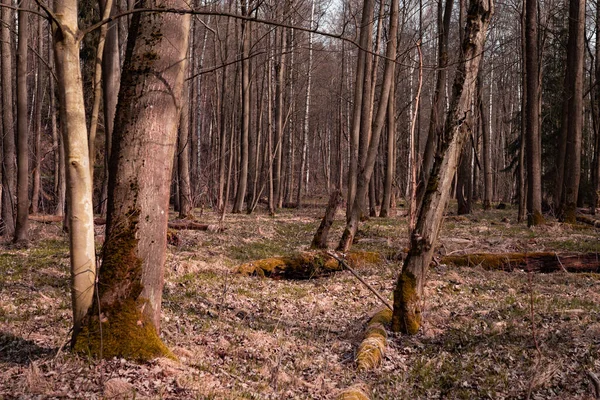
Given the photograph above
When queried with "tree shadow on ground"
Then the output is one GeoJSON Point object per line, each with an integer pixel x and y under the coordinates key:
{"type": "Point", "coordinates": [17, 350]}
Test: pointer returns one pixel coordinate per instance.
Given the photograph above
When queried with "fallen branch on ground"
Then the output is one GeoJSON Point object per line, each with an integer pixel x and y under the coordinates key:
{"type": "Point", "coordinates": [545, 262]}
{"type": "Point", "coordinates": [307, 265]}
{"type": "Point", "coordinates": [588, 220]}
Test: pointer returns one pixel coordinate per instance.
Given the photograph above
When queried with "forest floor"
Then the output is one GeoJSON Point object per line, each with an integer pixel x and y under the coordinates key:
{"type": "Point", "coordinates": [486, 334]}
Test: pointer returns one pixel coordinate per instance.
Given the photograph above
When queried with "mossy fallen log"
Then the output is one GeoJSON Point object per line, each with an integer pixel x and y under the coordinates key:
{"type": "Point", "coordinates": [544, 262]}
{"type": "Point", "coordinates": [306, 265]}
{"type": "Point", "coordinates": [372, 349]}
{"type": "Point", "coordinates": [586, 219]}
{"type": "Point", "coordinates": [182, 224]}
{"type": "Point", "coordinates": [355, 392]}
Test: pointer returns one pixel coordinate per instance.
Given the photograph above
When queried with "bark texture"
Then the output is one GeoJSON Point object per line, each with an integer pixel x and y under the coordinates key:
{"type": "Point", "coordinates": [409, 287]}
{"type": "Point", "coordinates": [79, 181]}
{"type": "Point", "coordinates": [125, 320]}
{"type": "Point", "coordinates": [9, 160]}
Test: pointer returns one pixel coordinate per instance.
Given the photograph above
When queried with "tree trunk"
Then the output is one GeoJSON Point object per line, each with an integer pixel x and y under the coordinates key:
{"type": "Point", "coordinates": [409, 287]}
{"type": "Point", "coordinates": [245, 117]}
{"type": "Point", "coordinates": [366, 171]}
{"type": "Point", "coordinates": [360, 96]}
{"type": "Point", "coordinates": [532, 114]}
{"type": "Point", "coordinates": [130, 282]}
{"type": "Point", "coordinates": [22, 221]}
{"type": "Point", "coordinates": [436, 124]}
{"type": "Point", "coordinates": [37, 123]}
{"type": "Point", "coordinates": [183, 155]}
{"type": "Point", "coordinates": [574, 100]}
{"type": "Point", "coordinates": [320, 239]}
{"type": "Point", "coordinates": [305, 125]}
{"type": "Point", "coordinates": [596, 94]}
{"type": "Point", "coordinates": [9, 160]}
{"type": "Point", "coordinates": [486, 150]}
{"type": "Point", "coordinates": [79, 187]}
{"type": "Point", "coordinates": [390, 162]}
{"type": "Point", "coordinates": [111, 76]}
{"type": "Point", "coordinates": [464, 181]}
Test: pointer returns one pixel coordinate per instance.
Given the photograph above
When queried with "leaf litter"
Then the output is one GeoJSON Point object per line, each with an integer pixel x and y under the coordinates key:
{"type": "Point", "coordinates": [486, 334]}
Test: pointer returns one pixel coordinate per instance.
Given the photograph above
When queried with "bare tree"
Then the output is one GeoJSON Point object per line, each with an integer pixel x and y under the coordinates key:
{"type": "Point", "coordinates": [9, 161]}
{"type": "Point", "coordinates": [22, 222]}
{"type": "Point", "coordinates": [409, 287]}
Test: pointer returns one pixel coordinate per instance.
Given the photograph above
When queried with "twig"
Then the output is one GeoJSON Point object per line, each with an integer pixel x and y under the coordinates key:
{"type": "Point", "coordinates": [595, 381]}
{"type": "Point", "coordinates": [375, 292]}
{"type": "Point", "coordinates": [560, 263]}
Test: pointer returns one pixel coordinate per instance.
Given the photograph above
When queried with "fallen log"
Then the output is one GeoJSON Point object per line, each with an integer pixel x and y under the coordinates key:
{"type": "Point", "coordinates": [182, 224]}
{"type": "Point", "coordinates": [588, 220]}
{"type": "Point", "coordinates": [544, 262]}
{"type": "Point", "coordinates": [306, 265]}
{"type": "Point", "coordinates": [372, 348]}
{"type": "Point", "coordinates": [48, 219]}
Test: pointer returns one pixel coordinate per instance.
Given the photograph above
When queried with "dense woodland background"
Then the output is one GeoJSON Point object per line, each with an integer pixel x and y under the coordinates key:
{"type": "Point", "coordinates": [300, 95]}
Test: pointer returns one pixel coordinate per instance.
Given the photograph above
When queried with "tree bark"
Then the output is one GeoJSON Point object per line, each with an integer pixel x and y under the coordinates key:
{"type": "Point", "coordinates": [79, 182]}
{"type": "Point", "coordinates": [245, 117]}
{"type": "Point", "coordinates": [532, 115]}
{"type": "Point", "coordinates": [21, 234]}
{"type": "Point", "coordinates": [390, 161]}
{"type": "Point", "coordinates": [409, 287]}
{"type": "Point", "coordinates": [574, 100]}
{"type": "Point", "coordinates": [183, 155]}
{"type": "Point", "coordinates": [125, 318]}
{"type": "Point", "coordinates": [37, 122]}
{"type": "Point", "coordinates": [9, 160]}
{"type": "Point", "coordinates": [360, 96]}
{"type": "Point", "coordinates": [320, 239]}
{"type": "Point", "coordinates": [111, 76]}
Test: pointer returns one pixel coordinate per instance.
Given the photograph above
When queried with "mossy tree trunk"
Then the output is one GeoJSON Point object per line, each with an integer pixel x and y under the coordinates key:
{"type": "Point", "coordinates": [409, 287]}
{"type": "Point", "coordinates": [125, 320]}
{"type": "Point", "coordinates": [79, 181]}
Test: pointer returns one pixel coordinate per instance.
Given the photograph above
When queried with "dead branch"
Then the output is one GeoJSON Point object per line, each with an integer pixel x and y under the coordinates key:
{"type": "Point", "coordinates": [349, 268]}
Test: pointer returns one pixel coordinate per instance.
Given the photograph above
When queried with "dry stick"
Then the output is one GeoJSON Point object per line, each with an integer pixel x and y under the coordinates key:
{"type": "Point", "coordinates": [595, 381]}
{"type": "Point", "coordinates": [375, 292]}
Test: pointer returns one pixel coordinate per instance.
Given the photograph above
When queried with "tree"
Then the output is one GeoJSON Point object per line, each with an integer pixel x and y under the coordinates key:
{"type": "Point", "coordinates": [125, 318]}
{"type": "Point", "coordinates": [366, 170]}
{"type": "Point", "coordinates": [532, 116]}
{"type": "Point", "coordinates": [79, 182]}
{"type": "Point", "coordinates": [22, 222]}
{"type": "Point", "coordinates": [409, 287]}
{"type": "Point", "coordinates": [570, 146]}
{"type": "Point", "coordinates": [9, 162]}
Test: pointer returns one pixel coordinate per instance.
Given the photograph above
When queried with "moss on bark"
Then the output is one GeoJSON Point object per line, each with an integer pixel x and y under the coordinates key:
{"type": "Point", "coordinates": [406, 317]}
{"type": "Point", "coordinates": [121, 331]}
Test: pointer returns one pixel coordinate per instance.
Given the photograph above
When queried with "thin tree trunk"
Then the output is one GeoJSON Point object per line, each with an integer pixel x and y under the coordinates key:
{"type": "Point", "coordinates": [390, 164]}
{"type": "Point", "coordinates": [37, 116]}
{"type": "Point", "coordinates": [305, 125]}
{"type": "Point", "coordinates": [596, 106]}
{"type": "Point", "coordinates": [532, 112]}
{"type": "Point", "coordinates": [360, 96]}
{"type": "Point", "coordinates": [79, 187]}
{"type": "Point", "coordinates": [245, 117]}
{"type": "Point", "coordinates": [111, 76]}
{"type": "Point", "coordinates": [9, 160]}
{"type": "Point", "coordinates": [183, 155]}
{"type": "Point", "coordinates": [487, 151]}
{"type": "Point", "coordinates": [366, 171]}
{"type": "Point", "coordinates": [574, 99]}
{"type": "Point", "coordinates": [409, 287]}
{"type": "Point", "coordinates": [22, 222]}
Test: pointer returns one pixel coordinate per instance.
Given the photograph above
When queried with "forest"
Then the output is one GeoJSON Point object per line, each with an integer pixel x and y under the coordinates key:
{"type": "Point", "coordinates": [375, 199]}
